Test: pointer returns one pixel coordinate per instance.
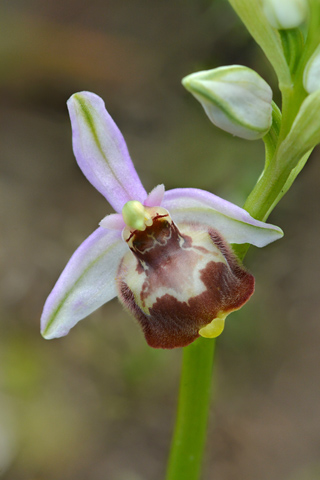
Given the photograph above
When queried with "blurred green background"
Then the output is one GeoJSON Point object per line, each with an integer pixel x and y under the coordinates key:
{"type": "Point", "coordinates": [99, 403]}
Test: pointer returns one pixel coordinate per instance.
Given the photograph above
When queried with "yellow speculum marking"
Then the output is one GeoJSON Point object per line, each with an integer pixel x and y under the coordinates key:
{"type": "Point", "coordinates": [214, 328]}
{"type": "Point", "coordinates": [136, 216]}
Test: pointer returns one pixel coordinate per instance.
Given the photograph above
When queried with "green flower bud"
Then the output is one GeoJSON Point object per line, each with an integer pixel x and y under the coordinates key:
{"type": "Point", "coordinates": [235, 98]}
{"type": "Point", "coordinates": [285, 14]}
{"type": "Point", "coordinates": [311, 74]}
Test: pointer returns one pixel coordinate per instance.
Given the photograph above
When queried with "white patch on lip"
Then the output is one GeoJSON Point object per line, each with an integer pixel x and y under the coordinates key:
{"type": "Point", "coordinates": [182, 282]}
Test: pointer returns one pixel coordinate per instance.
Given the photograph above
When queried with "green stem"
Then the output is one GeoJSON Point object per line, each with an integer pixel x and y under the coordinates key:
{"type": "Point", "coordinates": [263, 198]}
{"type": "Point", "coordinates": [193, 407]}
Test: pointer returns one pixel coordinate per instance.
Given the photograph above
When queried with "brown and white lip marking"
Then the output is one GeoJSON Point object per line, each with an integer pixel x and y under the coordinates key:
{"type": "Point", "coordinates": [176, 281]}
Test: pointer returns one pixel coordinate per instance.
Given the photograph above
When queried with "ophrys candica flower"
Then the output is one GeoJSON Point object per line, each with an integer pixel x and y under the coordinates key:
{"type": "Point", "coordinates": [166, 255]}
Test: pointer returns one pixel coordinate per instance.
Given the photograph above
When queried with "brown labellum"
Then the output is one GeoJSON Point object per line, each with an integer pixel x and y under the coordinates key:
{"type": "Point", "coordinates": [176, 281]}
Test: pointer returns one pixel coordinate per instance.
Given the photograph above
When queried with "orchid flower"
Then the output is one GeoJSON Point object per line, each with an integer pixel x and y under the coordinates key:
{"type": "Point", "coordinates": [167, 255]}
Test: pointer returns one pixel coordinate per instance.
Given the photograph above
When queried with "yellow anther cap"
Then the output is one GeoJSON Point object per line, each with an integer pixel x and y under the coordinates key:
{"type": "Point", "coordinates": [135, 215]}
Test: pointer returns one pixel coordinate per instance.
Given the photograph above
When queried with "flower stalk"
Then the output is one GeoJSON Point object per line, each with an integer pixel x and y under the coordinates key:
{"type": "Point", "coordinates": [193, 411]}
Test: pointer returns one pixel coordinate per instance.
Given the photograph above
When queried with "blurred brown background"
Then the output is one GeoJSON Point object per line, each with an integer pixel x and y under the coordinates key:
{"type": "Point", "coordinates": [100, 404]}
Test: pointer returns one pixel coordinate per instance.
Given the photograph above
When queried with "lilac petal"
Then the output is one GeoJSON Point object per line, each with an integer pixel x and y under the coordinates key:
{"type": "Point", "coordinates": [101, 151]}
{"type": "Point", "coordinates": [155, 197]}
{"type": "Point", "coordinates": [194, 206]}
{"type": "Point", "coordinates": [113, 222]}
{"type": "Point", "coordinates": [87, 282]}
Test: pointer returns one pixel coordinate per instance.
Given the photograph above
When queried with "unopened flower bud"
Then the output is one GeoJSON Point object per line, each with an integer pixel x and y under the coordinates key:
{"type": "Point", "coordinates": [235, 98]}
{"type": "Point", "coordinates": [285, 14]}
{"type": "Point", "coordinates": [311, 74]}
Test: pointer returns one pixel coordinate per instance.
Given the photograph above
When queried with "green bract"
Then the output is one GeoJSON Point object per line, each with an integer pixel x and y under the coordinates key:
{"type": "Point", "coordinates": [235, 98]}
{"type": "Point", "coordinates": [305, 131]}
